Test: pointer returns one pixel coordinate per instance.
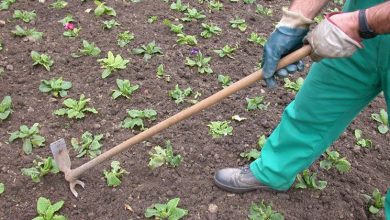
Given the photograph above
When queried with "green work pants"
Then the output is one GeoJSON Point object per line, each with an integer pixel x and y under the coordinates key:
{"type": "Point", "coordinates": [334, 92]}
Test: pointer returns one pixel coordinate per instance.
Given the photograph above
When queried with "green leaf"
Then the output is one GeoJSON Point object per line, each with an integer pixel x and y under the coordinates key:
{"type": "Point", "coordinates": [383, 129]}
{"type": "Point", "coordinates": [27, 146]}
{"type": "Point", "coordinates": [42, 205]}
{"type": "Point", "coordinates": [58, 205]}
{"type": "Point", "coordinates": [373, 209]}
{"type": "Point", "coordinates": [2, 188]}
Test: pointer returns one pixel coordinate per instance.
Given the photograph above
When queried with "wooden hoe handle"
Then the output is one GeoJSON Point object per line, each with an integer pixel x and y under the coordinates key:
{"type": "Point", "coordinates": [243, 83]}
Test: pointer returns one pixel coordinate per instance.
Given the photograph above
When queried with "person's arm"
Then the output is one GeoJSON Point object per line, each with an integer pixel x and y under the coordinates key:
{"type": "Point", "coordinates": [378, 18]}
{"type": "Point", "coordinates": [308, 8]}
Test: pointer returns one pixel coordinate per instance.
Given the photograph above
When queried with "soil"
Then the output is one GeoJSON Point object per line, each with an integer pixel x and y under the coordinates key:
{"type": "Point", "coordinates": [192, 181]}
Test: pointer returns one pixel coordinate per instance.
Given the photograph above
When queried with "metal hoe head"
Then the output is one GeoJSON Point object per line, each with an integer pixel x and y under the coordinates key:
{"type": "Point", "coordinates": [62, 159]}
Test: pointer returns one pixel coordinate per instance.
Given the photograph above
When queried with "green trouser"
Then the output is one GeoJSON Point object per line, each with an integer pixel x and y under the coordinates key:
{"type": "Point", "coordinates": [334, 92]}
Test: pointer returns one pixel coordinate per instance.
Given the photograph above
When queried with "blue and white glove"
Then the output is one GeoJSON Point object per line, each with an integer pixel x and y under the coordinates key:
{"type": "Point", "coordinates": [287, 37]}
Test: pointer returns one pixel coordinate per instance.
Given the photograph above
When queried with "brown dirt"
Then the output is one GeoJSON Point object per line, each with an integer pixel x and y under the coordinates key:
{"type": "Point", "coordinates": [193, 180]}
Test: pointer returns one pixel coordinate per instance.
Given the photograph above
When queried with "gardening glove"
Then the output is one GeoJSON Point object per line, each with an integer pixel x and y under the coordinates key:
{"type": "Point", "coordinates": [328, 40]}
{"type": "Point", "coordinates": [287, 37]}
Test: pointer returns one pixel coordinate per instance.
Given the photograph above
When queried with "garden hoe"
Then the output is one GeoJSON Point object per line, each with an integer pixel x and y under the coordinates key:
{"type": "Point", "coordinates": [61, 156]}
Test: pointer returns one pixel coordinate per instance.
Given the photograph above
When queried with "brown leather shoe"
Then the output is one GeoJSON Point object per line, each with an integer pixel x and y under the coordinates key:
{"type": "Point", "coordinates": [237, 180]}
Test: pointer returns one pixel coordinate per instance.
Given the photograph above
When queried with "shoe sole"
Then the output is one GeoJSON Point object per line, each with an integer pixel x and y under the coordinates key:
{"type": "Point", "coordinates": [237, 190]}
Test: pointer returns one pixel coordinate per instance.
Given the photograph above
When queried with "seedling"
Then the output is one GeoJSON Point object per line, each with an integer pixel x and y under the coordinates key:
{"type": "Point", "coordinates": [249, 1]}
{"type": "Point", "coordinates": [160, 156]}
{"type": "Point", "coordinates": [166, 211]}
{"type": "Point", "coordinates": [201, 62]}
{"type": "Point", "coordinates": [160, 73]}
{"type": "Point", "coordinates": [42, 167]}
{"type": "Point", "coordinates": [1, 45]}
{"type": "Point", "coordinates": [376, 201]}
{"type": "Point", "coordinates": [152, 19]}
{"type": "Point", "coordinates": [383, 120]}
{"type": "Point", "coordinates": [309, 180]}
{"type": "Point", "coordinates": [148, 50]}
{"type": "Point", "coordinates": [5, 108]}
{"type": "Point", "coordinates": [46, 210]}
{"type": "Point", "coordinates": [75, 109]}
{"type": "Point", "coordinates": [103, 9]}
{"type": "Point", "coordinates": [332, 159]}
{"type": "Point", "coordinates": [177, 29]}
{"type": "Point", "coordinates": [89, 145]}
{"type": "Point", "coordinates": [31, 34]}
{"type": "Point", "coordinates": [225, 80]}
{"type": "Point", "coordinates": [263, 211]}
{"type": "Point", "coordinates": [59, 4]}
{"type": "Point", "coordinates": [293, 86]}
{"type": "Point", "coordinates": [360, 141]}
{"type": "Point", "coordinates": [226, 51]}
{"type": "Point", "coordinates": [209, 30]}
{"type": "Point", "coordinates": [125, 88]}
{"type": "Point", "coordinates": [181, 95]}
{"type": "Point", "coordinates": [261, 141]}
{"type": "Point", "coordinates": [89, 49]}
{"type": "Point", "coordinates": [339, 2]}
{"type": "Point", "coordinates": [30, 137]}
{"type": "Point", "coordinates": [215, 5]}
{"type": "Point", "coordinates": [57, 87]}
{"type": "Point", "coordinates": [5, 4]}
{"type": "Point", "coordinates": [110, 24]}
{"type": "Point", "coordinates": [193, 15]}
{"type": "Point", "coordinates": [179, 6]}
{"type": "Point", "coordinates": [2, 188]}
{"type": "Point", "coordinates": [184, 39]}
{"type": "Point", "coordinates": [257, 39]}
{"type": "Point", "coordinates": [251, 154]}
{"type": "Point", "coordinates": [68, 19]}
{"type": "Point", "coordinates": [263, 10]}
{"type": "Point", "coordinates": [218, 129]}
{"type": "Point", "coordinates": [256, 103]}
{"type": "Point", "coordinates": [136, 118]}
{"type": "Point", "coordinates": [112, 63]}
{"type": "Point", "coordinates": [125, 38]}
{"type": "Point", "coordinates": [71, 31]}
{"type": "Point", "coordinates": [26, 16]}
{"type": "Point", "coordinates": [42, 59]}
{"type": "Point", "coordinates": [113, 177]}
{"type": "Point", "coordinates": [238, 23]}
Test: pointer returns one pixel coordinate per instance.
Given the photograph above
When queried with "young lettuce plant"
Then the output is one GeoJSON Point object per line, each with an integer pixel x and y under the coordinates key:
{"type": "Point", "coordinates": [293, 86]}
{"type": "Point", "coordinates": [125, 38]}
{"type": "Point", "coordinates": [383, 120]}
{"type": "Point", "coordinates": [5, 4]}
{"type": "Point", "coordinates": [125, 88]}
{"type": "Point", "coordinates": [215, 5]}
{"type": "Point", "coordinates": [263, 10]}
{"type": "Point", "coordinates": [5, 108]}
{"type": "Point", "coordinates": [184, 39]}
{"type": "Point", "coordinates": [113, 177]}
{"type": "Point", "coordinates": [201, 62]}
{"type": "Point", "coordinates": [376, 201]}
{"type": "Point", "coordinates": [110, 24]}
{"type": "Point", "coordinates": [47, 211]}
{"type": "Point", "coordinates": [333, 159]}
{"type": "Point", "coordinates": [42, 167]}
{"type": "Point", "coordinates": [30, 137]}
{"type": "Point", "coordinates": [224, 80]}
{"type": "Point", "coordinates": [75, 109]}
{"type": "Point", "coordinates": [152, 19]}
{"type": "Point", "coordinates": [257, 39]}
{"type": "Point", "coordinates": [68, 19]}
{"type": "Point", "coordinates": [360, 141]}
{"type": "Point", "coordinates": [179, 6]}
{"type": "Point", "coordinates": [166, 211]}
{"type": "Point", "coordinates": [57, 87]}
{"type": "Point", "coordinates": [219, 129]}
{"type": "Point", "coordinates": [42, 59]}
{"type": "Point", "coordinates": [253, 154]}
{"type": "Point", "coordinates": [160, 156]}
{"type": "Point", "coordinates": [256, 103]}
{"type": "Point", "coordinates": [148, 50]}
{"type": "Point", "coordinates": [59, 4]}
{"type": "Point", "coordinates": [89, 49]}
{"type": "Point", "coordinates": [193, 15]}
{"type": "Point", "coordinates": [226, 51]}
{"type": "Point", "coordinates": [136, 118]}
{"type": "Point", "coordinates": [2, 188]}
{"type": "Point", "coordinates": [30, 34]}
{"type": "Point", "coordinates": [26, 16]}
{"type": "Point", "coordinates": [308, 180]}
{"type": "Point", "coordinates": [238, 23]}
{"type": "Point", "coordinates": [89, 145]}
{"type": "Point", "coordinates": [181, 95]}
{"type": "Point", "coordinates": [103, 9]}
{"type": "Point", "coordinates": [177, 29]}
{"type": "Point", "coordinates": [263, 211]}
{"type": "Point", "coordinates": [210, 30]}
{"type": "Point", "coordinates": [112, 63]}
{"type": "Point", "coordinates": [160, 73]}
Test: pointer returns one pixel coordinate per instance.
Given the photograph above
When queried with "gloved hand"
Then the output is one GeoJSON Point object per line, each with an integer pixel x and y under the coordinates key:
{"type": "Point", "coordinates": [328, 40]}
{"type": "Point", "coordinates": [287, 37]}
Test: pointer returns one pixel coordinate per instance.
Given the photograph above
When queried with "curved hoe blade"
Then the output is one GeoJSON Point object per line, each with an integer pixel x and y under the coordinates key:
{"type": "Point", "coordinates": [61, 155]}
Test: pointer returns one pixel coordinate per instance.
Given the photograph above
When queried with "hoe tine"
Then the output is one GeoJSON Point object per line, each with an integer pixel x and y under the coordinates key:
{"type": "Point", "coordinates": [61, 155]}
{"type": "Point", "coordinates": [73, 185]}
